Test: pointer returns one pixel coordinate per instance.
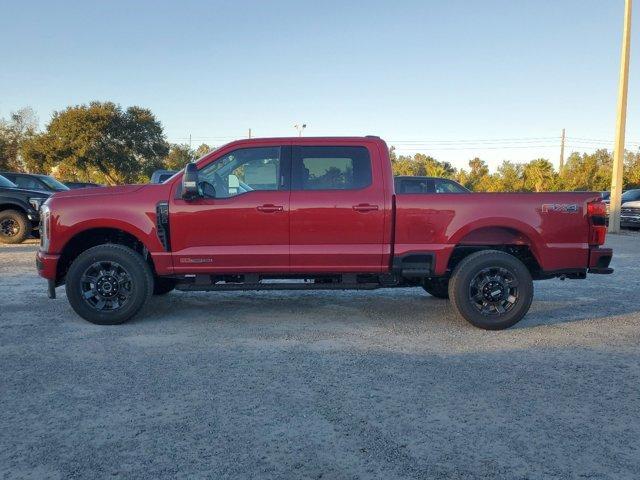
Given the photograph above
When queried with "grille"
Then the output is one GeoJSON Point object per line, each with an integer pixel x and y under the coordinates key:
{"type": "Point", "coordinates": [630, 211]}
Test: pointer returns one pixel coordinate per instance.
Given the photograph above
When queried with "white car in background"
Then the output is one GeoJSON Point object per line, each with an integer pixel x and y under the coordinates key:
{"type": "Point", "coordinates": [630, 215]}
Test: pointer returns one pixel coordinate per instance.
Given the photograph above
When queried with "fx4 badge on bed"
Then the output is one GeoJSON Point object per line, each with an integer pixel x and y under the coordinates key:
{"type": "Point", "coordinates": [560, 207]}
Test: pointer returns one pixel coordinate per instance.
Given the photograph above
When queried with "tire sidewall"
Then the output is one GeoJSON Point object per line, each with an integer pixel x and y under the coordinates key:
{"type": "Point", "coordinates": [466, 271]}
{"type": "Point", "coordinates": [23, 222]}
{"type": "Point", "coordinates": [131, 261]}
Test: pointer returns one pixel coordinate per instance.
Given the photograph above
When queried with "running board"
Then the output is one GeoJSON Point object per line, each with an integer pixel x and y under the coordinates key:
{"type": "Point", "coordinates": [253, 281]}
{"type": "Point", "coordinates": [222, 286]}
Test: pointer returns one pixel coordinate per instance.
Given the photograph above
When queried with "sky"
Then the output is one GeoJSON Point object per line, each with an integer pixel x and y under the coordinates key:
{"type": "Point", "coordinates": [498, 79]}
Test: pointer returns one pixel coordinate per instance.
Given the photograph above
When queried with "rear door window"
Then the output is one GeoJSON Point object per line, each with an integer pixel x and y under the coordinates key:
{"type": "Point", "coordinates": [330, 168]}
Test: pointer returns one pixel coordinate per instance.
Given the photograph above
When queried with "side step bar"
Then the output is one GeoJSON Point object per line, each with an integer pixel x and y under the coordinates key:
{"type": "Point", "coordinates": [254, 281]}
{"type": "Point", "coordinates": [194, 287]}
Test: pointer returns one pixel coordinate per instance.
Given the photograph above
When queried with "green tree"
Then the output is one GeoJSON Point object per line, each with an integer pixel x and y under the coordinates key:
{"type": "Point", "coordinates": [509, 178]}
{"type": "Point", "coordinates": [587, 171]}
{"type": "Point", "coordinates": [539, 176]}
{"type": "Point", "coordinates": [99, 141]}
{"type": "Point", "coordinates": [632, 170]}
{"type": "Point", "coordinates": [202, 150]}
{"type": "Point", "coordinates": [477, 178]}
{"type": "Point", "coordinates": [179, 155]}
{"type": "Point", "coordinates": [421, 165]}
{"type": "Point", "coordinates": [14, 132]}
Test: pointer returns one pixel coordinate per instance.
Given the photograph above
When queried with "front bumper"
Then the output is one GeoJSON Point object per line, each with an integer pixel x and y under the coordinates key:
{"type": "Point", "coordinates": [599, 260]}
{"type": "Point", "coordinates": [47, 265]}
{"type": "Point", "coordinates": [630, 221]}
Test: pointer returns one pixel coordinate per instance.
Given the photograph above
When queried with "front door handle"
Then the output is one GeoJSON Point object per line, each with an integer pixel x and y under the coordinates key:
{"type": "Point", "coordinates": [270, 208]}
{"type": "Point", "coordinates": [365, 207]}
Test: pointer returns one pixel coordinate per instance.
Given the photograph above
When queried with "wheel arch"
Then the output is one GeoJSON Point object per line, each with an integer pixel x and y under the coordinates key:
{"type": "Point", "coordinates": [506, 235]}
{"type": "Point", "coordinates": [9, 205]}
{"type": "Point", "coordinates": [87, 238]}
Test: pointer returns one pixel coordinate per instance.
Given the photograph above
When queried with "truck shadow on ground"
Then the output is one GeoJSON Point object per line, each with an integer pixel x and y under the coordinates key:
{"type": "Point", "coordinates": [380, 307]}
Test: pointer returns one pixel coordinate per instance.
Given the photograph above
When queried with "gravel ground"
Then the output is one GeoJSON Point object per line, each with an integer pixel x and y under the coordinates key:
{"type": "Point", "coordinates": [384, 384]}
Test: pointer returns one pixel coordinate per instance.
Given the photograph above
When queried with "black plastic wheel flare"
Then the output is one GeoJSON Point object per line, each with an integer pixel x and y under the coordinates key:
{"type": "Point", "coordinates": [493, 291]}
{"type": "Point", "coordinates": [9, 227]}
{"type": "Point", "coordinates": [106, 286]}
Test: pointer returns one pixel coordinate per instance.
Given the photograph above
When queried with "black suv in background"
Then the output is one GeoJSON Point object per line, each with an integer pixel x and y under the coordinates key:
{"type": "Point", "coordinates": [33, 181]}
{"type": "Point", "coordinates": [18, 211]}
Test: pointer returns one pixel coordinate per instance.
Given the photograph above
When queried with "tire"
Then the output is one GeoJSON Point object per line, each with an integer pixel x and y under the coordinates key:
{"type": "Point", "coordinates": [491, 290]}
{"type": "Point", "coordinates": [437, 287]}
{"type": "Point", "coordinates": [108, 284]}
{"type": "Point", "coordinates": [162, 286]}
{"type": "Point", "coordinates": [14, 226]}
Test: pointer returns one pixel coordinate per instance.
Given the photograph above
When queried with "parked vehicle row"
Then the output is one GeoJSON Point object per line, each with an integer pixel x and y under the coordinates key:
{"type": "Point", "coordinates": [630, 212]}
{"type": "Point", "coordinates": [19, 209]}
{"type": "Point", "coordinates": [314, 213]}
{"type": "Point", "coordinates": [21, 195]}
{"type": "Point", "coordinates": [45, 183]}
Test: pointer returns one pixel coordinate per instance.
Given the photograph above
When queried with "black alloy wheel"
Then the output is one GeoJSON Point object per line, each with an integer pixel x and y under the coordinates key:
{"type": "Point", "coordinates": [493, 291]}
{"type": "Point", "coordinates": [106, 286]}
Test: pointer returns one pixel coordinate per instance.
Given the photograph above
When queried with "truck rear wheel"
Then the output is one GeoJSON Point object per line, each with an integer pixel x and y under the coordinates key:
{"type": "Point", "coordinates": [14, 226]}
{"type": "Point", "coordinates": [491, 290]}
{"type": "Point", "coordinates": [437, 287]}
{"type": "Point", "coordinates": [108, 284]}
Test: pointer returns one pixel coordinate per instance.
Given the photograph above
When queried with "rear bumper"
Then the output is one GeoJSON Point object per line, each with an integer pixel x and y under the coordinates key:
{"type": "Point", "coordinates": [599, 260]}
{"type": "Point", "coordinates": [47, 265]}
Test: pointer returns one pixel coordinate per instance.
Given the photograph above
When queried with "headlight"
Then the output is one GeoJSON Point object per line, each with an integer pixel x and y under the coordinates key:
{"type": "Point", "coordinates": [45, 228]}
{"type": "Point", "coordinates": [36, 203]}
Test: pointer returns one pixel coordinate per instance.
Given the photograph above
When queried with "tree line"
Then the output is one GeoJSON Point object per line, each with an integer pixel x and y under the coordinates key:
{"type": "Point", "coordinates": [102, 142]}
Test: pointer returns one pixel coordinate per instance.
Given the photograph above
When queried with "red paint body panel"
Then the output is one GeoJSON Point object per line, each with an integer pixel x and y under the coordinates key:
{"type": "Point", "coordinates": [320, 231]}
{"type": "Point", "coordinates": [340, 230]}
{"type": "Point", "coordinates": [439, 222]}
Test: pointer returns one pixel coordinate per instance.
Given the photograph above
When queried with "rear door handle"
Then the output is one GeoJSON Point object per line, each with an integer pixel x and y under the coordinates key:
{"type": "Point", "coordinates": [365, 207]}
{"type": "Point", "coordinates": [270, 208]}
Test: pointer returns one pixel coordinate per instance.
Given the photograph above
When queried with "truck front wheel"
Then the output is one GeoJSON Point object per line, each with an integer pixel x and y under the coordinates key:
{"type": "Point", "coordinates": [108, 284]}
{"type": "Point", "coordinates": [491, 289]}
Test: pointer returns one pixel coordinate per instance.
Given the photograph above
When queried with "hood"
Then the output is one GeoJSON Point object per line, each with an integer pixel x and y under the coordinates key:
{"type": "Point", "coordinates": [634, 204]}
{"type": "Point", "coordinates": [94, 192]}
{"type": "Point", "coordinates": [31, 193]}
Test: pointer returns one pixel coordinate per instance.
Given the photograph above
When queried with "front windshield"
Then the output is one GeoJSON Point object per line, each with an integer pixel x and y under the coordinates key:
{"type": "Point", "coordinates": [6, 183]}
{"type": "Point", "coordinates": [53, 184]}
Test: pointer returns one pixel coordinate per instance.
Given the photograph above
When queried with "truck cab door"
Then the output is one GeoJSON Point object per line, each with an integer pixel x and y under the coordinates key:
{"type": "Point", "coordinates": [337, 209]}
{"type": "Point", "coordinates": [241, 222]}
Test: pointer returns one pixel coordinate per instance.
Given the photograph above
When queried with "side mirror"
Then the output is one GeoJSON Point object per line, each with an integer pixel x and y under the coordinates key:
{"type": "Point", "coordinates": [190, 182]}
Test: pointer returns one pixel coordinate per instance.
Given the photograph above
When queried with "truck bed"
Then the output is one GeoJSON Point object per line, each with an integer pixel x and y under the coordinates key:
{"type": "Point", "coordinates": [553, 225]}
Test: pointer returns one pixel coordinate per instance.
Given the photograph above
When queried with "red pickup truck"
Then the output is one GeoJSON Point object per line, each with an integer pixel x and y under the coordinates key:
{"type": "Point", "coordinates": [313, 213]}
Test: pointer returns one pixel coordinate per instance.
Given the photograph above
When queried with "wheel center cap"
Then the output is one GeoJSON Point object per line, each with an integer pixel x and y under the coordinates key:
{"type": "Point", "coordinates": [493, 291]}
{"type": "Point", "coordinates": [107, 286]}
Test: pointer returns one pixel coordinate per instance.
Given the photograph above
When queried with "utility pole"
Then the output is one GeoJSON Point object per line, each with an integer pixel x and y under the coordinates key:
{"type": "Point", "coordinates": [189, 140]}
{"type": "Point", "coordinates": [249, 133]}
{"type": "Point", "coordinates": [621, 120]}
{"type": "Point", "coordinates": [562, 151]}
